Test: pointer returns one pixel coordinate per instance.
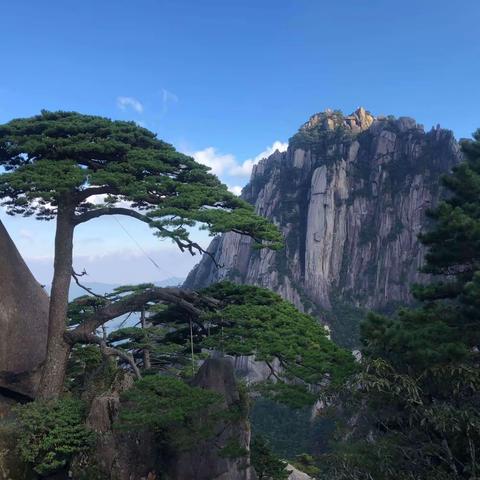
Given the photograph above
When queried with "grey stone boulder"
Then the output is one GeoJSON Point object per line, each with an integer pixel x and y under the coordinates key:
{"type": "Point", "coordinates": [117, 454]}
{"type": "Point", "coordinates": [296, 474]}
{"type": "Point", "coordinates": [206, 461]}
{"type": "Point", "coordinates": [23, 321]}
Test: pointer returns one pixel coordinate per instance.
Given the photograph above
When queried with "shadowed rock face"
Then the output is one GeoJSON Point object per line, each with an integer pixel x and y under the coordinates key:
{"type": "Point", "coordinates": [23, 321]}
{"type": "Point", "coordinates": [350, 195]}
{"type": "Point", "coordinates": [118, 454]}
{"type": "Point", "coordinates": [126, 455]}
{"type": "Point", "coordinates": [206, 461]}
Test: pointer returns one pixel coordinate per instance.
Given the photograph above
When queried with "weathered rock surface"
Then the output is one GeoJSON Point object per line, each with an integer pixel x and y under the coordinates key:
{"type": "Point", "coordinates": [125, 455]}
{"type": "Point", "coordinates": [254, 371]}
{"type": "Point", "coordinates": [23, 321]}
{"type": "Point", "coordinates": [350, 195]}
{"type": "Point", "coordinates": [296, 474]}
{"type": "Point", "coordinates": [208, 461]}
{"type": "Point", "coordinates": [118, 454]}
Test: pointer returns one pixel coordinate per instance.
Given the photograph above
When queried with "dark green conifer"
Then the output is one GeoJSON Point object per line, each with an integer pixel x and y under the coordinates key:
{"type": "Point", "coordinates": [74, 168]}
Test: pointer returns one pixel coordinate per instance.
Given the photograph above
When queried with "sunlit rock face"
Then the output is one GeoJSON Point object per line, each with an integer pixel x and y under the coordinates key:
{"type": "Point", "coordinates": [23, 322]}
{"type": "Point", "coordinates": [350, 195]}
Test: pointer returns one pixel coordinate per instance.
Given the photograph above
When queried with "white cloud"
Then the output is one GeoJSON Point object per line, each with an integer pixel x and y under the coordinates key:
{"type": "Point", "coordinates": [124, 103]}
{"type": "Point", "coordinates": [228, 164]}
{"type": "Point", "coordinates": [217, 162]}
{"type": "Point", "coordinates": [235, 189]}
{"type": "Point", "coordinates": [100, 200]}
{"type": "Point", "coordinates": [245, 169]}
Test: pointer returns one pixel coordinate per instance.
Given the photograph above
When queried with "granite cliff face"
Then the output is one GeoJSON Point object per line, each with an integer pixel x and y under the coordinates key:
{"type": "Point", "coordinates": [23, 321]}
{"type": "Point", "coordinates": [350, 195]}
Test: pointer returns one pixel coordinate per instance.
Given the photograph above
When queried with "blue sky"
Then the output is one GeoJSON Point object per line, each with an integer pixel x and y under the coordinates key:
{"type": "Point", "coordinates": [225, 80]}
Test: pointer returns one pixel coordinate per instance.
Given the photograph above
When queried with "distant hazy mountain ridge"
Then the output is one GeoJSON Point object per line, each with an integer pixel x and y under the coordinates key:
{"type": "Point", "coordinates": [350, 195]}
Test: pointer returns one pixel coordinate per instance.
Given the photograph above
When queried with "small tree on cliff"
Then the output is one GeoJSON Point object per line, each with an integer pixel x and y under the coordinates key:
{"type": "Point", "coordinates": [56, 162]}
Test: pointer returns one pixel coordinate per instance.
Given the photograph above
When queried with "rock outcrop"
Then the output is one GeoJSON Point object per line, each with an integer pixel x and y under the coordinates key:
{"type": "Point", "coordinates": [118, 454]}
{"type": "Point", "coordinates": [127, 455]}
{"type": "Point", "coordinates": [296, 474]}
{"type": "Point", "coordinates": [225, 455]}
{"type": "Point", "coordinates": [350, 196]}
{"type": "Point", "coordinates": [23, 322]}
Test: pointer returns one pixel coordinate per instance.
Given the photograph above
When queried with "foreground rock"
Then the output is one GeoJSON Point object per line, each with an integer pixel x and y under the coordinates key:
{"type": "Point", "coordinates": [121, 455]}
{"type": "Point", "coordinates": [350, 195]}
{"type": "Point", "coordinates": [296, 474]}
{"type": "Point", "coordinates": [23, 322]}
{"type": "Point", "coordinates": [212, 458]}
{"type": "Point", "coordinates": [117, 455]}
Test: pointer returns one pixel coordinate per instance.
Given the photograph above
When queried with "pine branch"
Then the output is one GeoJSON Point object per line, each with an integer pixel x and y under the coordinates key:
{"type": "Point", "coordinates": [185, 299]}
{"type": "Point", "coordinates": [90, 338]}
{"type": "Point", "coordinates": [88, 290]}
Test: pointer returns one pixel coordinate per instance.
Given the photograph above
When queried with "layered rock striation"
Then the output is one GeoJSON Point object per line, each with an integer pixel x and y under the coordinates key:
{"type": "Point", "coordinates": [350, 196]}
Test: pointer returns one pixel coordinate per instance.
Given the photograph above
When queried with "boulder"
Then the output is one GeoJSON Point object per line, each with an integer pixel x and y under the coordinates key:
{"type": "Point", "coordinates": [125, 455]}
{"type": "Point", "coordinates": [210, 460]}
{"type": "Point", "coordinates": [23, 322]}
{"type": "Point", "coordinates": [296, 474]}
{"type": "Point", "coordinates": [118, 454]}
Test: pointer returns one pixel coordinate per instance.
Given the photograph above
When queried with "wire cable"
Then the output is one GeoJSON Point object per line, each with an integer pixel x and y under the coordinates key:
{"type": "Point", "coordinates": [154, 263]}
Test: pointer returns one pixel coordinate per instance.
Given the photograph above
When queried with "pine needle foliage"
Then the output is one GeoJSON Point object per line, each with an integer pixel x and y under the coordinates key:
{"type": "Point", "coordinates": [179, 413]}
{"type": "Point", "coordinates": [65, 157]}
{"type": "Point", "coordinates": [256, 321]}
{"type": "Point", "coordinates": [267, 465]}
{"type": "Point", "coordinates": [52, 433]}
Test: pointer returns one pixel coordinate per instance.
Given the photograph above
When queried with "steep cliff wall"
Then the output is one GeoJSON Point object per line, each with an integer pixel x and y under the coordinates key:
{"type": "Point", "coordinates": [350, 196]}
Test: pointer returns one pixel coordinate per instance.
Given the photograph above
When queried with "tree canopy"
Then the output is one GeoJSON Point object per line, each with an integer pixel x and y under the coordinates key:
{"type": "Point", "coordinates": [76, 167]}
{"type": "Point", "coordinates": [94, 165]}
{"type": "Point", "coordinates": [227, 318]}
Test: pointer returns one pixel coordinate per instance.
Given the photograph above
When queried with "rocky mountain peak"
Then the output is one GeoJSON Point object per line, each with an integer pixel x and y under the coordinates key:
{"type": "Point", "coordinates": [350, 195]}
{"type": "Point", "coordinates": [356, 122]}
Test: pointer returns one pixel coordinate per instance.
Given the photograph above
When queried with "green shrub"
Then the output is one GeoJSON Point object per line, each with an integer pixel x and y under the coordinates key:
{"type": "Point", "coordinates": [233, 449]}
{"type": "Point", "coordinates": [267, 465]}
{"type": "Point", "coordinates": [178, 413]}
{"type": "Point", "coordinates": [51, 433]}
{"type": "Point", "coordinates": [306, 463]}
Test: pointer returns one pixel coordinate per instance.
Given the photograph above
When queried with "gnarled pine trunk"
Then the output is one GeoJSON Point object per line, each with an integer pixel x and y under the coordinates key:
{"type": "Point", "coordinates": [58, 350]}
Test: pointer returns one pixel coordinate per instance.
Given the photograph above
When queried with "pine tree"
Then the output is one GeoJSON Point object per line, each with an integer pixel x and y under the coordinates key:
{"type": "Point", "coordinates": [226, 318]}
{"type": "Point", "coordinates": [74, 168]}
